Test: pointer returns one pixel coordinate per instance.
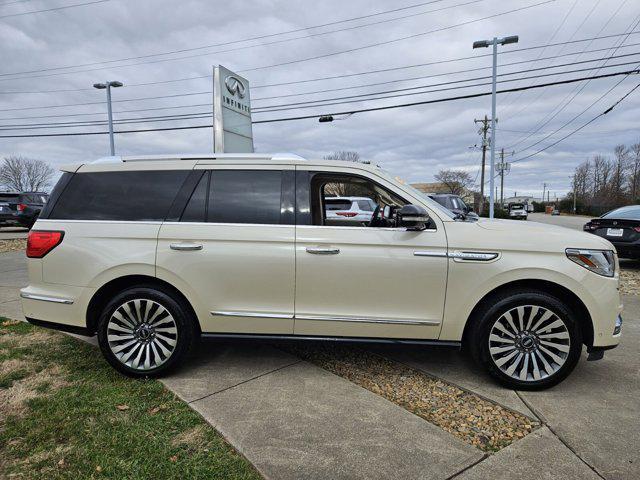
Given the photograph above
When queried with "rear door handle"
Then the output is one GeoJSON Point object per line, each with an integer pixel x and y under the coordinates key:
{"type": "Point", "coordinates": [323, 250]}
{"type": "Point", "coordinates": [185, 247]}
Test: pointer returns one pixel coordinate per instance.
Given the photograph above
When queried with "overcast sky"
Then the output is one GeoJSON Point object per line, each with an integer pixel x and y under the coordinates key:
{"type": "Point", "coordinates": [413, 142]}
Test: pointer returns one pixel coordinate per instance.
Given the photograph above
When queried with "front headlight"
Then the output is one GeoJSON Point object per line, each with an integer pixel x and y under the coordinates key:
{"type": "Point", "coordinates": [601, 262]}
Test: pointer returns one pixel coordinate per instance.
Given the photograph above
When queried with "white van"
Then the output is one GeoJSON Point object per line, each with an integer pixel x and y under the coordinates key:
{"type": "Point", "coordinates": [150, 253]}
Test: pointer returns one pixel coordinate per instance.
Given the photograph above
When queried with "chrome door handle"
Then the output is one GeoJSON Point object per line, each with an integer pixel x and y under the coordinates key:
{"type": "Point", "coordinates": [323, 250]}
{"type": "Point", "coordinates": [185, 247]}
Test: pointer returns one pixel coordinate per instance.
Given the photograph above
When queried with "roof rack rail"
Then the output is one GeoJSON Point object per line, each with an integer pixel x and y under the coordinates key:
{"type": "Point", "coordinates": [211, 156]}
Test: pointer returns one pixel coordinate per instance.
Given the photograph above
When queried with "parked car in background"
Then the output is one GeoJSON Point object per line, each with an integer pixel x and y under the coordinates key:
{"type": "Point", "coordinates": [454, 203]}
{"type": "Point", "coordinates": [21, 209]}
{"type": "Point", "coordinates": [351, 210]}
{"type": "Point", "coordinates": [518, 211]}
{"type": "Point", "coordinates": [151, 253]}
{"type": "Point", "coordinates": [621, 227]}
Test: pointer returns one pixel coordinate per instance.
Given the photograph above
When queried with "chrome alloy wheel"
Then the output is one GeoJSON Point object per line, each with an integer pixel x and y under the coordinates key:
{"type": "Point", "coordinates": [142, 334]}
{"type": "Point", "coordinates": [529, 343]}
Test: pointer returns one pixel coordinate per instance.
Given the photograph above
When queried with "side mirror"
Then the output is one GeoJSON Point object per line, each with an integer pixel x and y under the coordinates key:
{"type": "Point", "coordinates": [413, 217]}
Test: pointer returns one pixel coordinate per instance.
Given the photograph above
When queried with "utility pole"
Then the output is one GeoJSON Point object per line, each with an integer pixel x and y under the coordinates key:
{"type": "Point", "coordinates": [544, 188]}
{"type": "Point", "coordinates": [483, 131]}
{"type": "Point", "coordinates": [503, 167]}
{"type": "Point", "coordinates": [484, 44]}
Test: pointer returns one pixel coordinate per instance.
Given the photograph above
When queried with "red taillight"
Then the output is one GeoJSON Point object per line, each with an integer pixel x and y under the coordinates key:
{"type": "Point", "coordinates": [40, 242]}
{"type": "Point", "coordinates": [347, 214]}
{"type": "Point", "coordinates": [21, 207]}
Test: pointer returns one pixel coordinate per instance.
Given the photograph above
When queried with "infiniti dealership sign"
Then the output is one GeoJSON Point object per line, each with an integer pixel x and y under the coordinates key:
{"type": "Point", "coordinates": [232, 132]}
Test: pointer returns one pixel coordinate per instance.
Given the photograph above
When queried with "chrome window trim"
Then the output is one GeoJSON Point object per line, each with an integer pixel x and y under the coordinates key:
{"type": "Point", "coordinates": [46, 298]}
{"type": "Point", "coordinates": [109, 222]}
{"type": "Point", "coordinates": [211, 224]}
{"type": "Point", "coordinates": [367, 320]}
{"type": "Point", "coordinates": [252, 314]}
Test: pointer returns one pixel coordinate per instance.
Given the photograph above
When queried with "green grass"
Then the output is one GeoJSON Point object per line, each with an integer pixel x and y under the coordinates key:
{"type": "Point", "coordinates": [65, 413]}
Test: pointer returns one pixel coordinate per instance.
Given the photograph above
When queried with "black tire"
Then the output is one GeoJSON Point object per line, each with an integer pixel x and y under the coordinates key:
{"type": "Point", "coordinates": [505, 306]}
{"type": "Point", "coordinates": [151, 301]}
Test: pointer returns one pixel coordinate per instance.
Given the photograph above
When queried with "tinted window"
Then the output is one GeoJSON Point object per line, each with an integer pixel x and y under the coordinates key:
{"type": "Point", "coordinates": [10, 198]}
{"type": "Point", "coordinates": [132, 196]}
{"type": "Point", "coordinates": [196, 209]}
{"type": "Point", "coordinates": [625, 213]}
{"type": "Point", "coordinates": [365, 206]}
{"type": "Point", "coordinates": [337, 204]}
{"type": "Point", "coordinates": [245, 196]}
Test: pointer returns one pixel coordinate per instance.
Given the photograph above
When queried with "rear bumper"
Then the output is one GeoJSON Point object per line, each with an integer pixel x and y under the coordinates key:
{"type": "Point", "coordinates": [57, 306]}
{"type": "Point", "coordinates": [61, 327]}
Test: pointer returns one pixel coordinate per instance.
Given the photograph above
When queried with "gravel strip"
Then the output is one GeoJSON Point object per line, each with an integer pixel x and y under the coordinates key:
{"type": "Point", "coordinates": [12, 245]}
{"type": "Point", "coordinates": [629, 277]}
{"type": "Point", "coordinates": [473, 419]}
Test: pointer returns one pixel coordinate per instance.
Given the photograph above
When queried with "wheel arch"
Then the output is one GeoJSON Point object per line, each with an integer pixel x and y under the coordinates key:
{"type": "Point", "coordinates": [107, 291]}
{"type": "Point", "coordinates": [546, 286]}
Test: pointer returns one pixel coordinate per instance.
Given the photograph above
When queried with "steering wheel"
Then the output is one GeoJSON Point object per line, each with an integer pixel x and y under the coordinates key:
{"type": "Point", "coordinates": [375, 218]}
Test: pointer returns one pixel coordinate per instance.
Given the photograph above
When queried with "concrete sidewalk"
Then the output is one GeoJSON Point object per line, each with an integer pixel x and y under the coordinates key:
{"type": "Point", "coordinates": [294, 420]}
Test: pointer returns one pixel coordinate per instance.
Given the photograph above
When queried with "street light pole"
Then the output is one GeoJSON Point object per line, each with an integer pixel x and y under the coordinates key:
{"type": "Point", "coordinates": [484, 44]}
{"type": "Point", "coordinates": [107, 86]}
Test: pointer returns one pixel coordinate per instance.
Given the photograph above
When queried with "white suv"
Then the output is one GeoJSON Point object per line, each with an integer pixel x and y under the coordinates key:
{"type": "Point", "coordinates": [150, 253]}
{"type": "Point", "coordinates": [348, 210]}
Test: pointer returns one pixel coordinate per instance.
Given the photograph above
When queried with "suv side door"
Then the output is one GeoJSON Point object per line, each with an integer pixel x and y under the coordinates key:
{"type": "Point", "coordinates": [361, 281]}
{"type": "Point", "coordinates": [231, 249]}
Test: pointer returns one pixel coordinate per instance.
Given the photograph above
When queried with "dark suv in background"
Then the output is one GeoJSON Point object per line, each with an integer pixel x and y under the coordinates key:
{"type": "Point", "coordinates": [21, 209]}
{"type": "Point", "coordinates": [454, 203]}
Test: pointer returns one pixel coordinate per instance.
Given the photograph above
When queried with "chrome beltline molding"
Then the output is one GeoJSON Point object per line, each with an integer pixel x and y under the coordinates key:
{"type": "Point", "coordinates": [473, 256]}
{"type": "Point", "coordinates": [45, 298]}
{"type": "Point", "coordinates": [252, 314]}
{"type": "Point", "coordinates": [326, 318]}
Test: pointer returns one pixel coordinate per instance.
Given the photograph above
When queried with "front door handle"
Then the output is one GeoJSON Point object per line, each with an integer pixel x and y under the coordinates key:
{"type": "Point", "coordinates": [185, 247]}
{"type": "Point", "coordinates": [323, 250]}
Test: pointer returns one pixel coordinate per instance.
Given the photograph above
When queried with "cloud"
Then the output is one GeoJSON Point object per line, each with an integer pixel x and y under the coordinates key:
{"type": "Point", "coordinates": [412, 142]}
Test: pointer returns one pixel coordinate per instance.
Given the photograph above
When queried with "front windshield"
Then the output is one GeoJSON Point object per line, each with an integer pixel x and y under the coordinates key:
{"type": "Point", "coordinates": [423, 196]}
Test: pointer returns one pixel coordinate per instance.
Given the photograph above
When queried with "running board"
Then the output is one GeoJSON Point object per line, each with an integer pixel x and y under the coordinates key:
{"type": "Point", "coordinates": [400, 341]}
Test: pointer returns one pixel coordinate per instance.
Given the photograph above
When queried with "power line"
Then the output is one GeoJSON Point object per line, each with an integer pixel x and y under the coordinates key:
{"type": "Point", "coordinates": [301, 60]}
{"type": "Point", "coordinates": [350, 99]}
{"type": "Point", "coordinates": [341, 76]}
{"type": "Point", "coordinates": [53, 9]}
{"type": "Point", "coordinates": [445, 74]}
{"type": "Point", "coordinates": [372, 109]}
{"type": "Point", "coordinates": [582, 126]}
{"type": "Point", "coordinates": [370, 72]}
{"type": "Point", "coordinates": [575, 93]}
{"type": "Point", "coordinates": [209, 92]}
{"type": "Point", "coordinates": [260, 37]}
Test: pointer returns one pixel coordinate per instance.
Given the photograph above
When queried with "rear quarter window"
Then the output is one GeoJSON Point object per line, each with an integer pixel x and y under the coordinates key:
{"type": "Point", "coordinates": [119, 196]}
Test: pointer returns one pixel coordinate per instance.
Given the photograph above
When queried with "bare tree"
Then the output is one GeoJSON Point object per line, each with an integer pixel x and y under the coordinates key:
{"type": "Point", "coordinates": [25, 174]}
{"type": "Point", "coordinates": [634, 171]}
{"type": "Point", "coordinates": [346, 155]}
{"type": "Point", "coordinates": [456, 181]}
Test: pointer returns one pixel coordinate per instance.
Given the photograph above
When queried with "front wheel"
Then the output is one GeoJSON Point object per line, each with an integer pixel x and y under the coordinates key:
{"type": "Point", "coordinates": [144, 332]}
{"type": "Point", "coordinates": [527, 340]}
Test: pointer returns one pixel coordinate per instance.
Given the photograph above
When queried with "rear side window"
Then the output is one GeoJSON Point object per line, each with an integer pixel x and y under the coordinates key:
{"type": "Point", "coordinates": [365, 206]}
{"type": "Point", "coordinates": [337, 204]}
{"type": "Point", "coordinates": [119, 196]}
{"type": "Point", "coordinates": [245, 196]}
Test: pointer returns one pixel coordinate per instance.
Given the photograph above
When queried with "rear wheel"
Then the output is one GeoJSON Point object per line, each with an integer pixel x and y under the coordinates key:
{"type": "Point", "coordinates": [145, 332]}
{"type": "Point", "coordinates": [527, 340]}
